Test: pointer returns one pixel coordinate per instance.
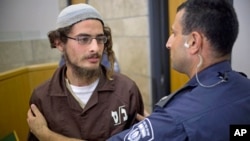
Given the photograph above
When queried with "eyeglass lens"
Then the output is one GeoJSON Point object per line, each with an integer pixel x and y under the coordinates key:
{"type": "Point", "coordinates": [88, 39]}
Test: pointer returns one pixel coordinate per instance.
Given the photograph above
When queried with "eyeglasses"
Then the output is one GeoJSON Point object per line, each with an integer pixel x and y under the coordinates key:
{"type": "Point", "coordinates": [85, 40]}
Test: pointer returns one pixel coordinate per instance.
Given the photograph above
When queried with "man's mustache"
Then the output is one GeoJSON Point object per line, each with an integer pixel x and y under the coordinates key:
{"type": "Point", "coordinates": [96, 55]}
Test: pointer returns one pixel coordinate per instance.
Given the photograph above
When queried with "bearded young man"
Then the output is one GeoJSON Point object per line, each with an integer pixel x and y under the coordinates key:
{"type": "Point", "coordinates": [83, 93]}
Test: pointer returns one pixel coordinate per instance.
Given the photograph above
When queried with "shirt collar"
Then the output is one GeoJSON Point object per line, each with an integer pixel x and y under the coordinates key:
{"type": "Point", "coordinates": [211, 73]}
{"type": "Point", "coordinates": [57, 84]}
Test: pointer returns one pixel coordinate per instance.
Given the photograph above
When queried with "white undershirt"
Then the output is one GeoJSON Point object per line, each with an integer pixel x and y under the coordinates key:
{"type": "Point", "coordinates": [82, 93]}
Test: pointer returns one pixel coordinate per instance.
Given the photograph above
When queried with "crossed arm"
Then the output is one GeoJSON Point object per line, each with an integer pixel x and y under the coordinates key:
{"type": "Point", "coordinates": [38, 126]}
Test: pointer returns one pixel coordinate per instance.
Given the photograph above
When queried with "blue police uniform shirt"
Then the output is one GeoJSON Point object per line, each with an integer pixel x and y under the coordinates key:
{"type": "Point", "coordinates": [197, 113]}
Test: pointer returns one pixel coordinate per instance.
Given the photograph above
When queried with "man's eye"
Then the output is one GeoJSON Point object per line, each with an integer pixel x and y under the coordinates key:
{"type": "Point", "coordinates": [84, 39]}
{"type": "Point", "coordinates": [99, 39]}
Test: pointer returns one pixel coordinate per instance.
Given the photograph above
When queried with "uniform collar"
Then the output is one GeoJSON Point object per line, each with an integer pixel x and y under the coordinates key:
{"type": "Point", "coordinates": [208, 74]}
{"type": "Point", "coordinates": [211, 74]}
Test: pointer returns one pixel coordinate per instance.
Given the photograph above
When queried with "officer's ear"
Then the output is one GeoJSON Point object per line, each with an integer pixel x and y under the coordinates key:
{"type": "Point", "coordinates": [195, 42]}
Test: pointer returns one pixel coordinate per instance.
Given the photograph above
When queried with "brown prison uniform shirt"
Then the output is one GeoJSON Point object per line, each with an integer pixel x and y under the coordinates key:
{"type": "Point", "coordinates": [111, 109]}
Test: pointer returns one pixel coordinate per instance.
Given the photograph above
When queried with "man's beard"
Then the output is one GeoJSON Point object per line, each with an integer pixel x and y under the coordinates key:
{"type": "Point", "coordinates": [82, 72]}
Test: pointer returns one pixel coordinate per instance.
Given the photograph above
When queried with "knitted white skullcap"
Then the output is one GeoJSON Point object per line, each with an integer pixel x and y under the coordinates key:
{"type": "Point", "coordinates": [75, 13]}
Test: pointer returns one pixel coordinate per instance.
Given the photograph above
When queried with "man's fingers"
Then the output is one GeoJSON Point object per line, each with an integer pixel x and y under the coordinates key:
{"type": "Point", "coordinates": [34, 110]}
{"type": "Point", "coordinates": [146, 114]}
{"type": "Point", "coordinates": [142, 117]}
{"type": "Point", "coordinates": [29, 113]}
{"type": "Point", "coordinates": [139, 117]}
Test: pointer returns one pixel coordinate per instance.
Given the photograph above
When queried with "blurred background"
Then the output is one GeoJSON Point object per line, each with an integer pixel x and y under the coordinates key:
{"type": "Point", "coordinates": [140, 29]}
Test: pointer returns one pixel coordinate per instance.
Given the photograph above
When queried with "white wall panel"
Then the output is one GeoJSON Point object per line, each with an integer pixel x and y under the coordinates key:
{"type": "Point", "coordinates": [241, 51]}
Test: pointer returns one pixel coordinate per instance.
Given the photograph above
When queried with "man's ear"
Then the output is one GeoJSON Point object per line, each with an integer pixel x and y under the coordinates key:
{"type": "Point", "coordinates": [59, 45]}
{"type": "Point", "coordinates": [195, 42]}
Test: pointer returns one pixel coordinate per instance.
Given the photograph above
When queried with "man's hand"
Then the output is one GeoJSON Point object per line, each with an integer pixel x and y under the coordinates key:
{"type": "Point", "coordinates": [142, 117]}
{"type": "Point", "coordinates": [36, 121]}
{"type": "Point", "coordinates": [38, 126]}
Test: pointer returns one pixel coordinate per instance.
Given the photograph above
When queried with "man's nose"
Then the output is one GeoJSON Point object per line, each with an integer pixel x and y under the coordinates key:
{"type": "Point", "coordinates": [169, 42]}
{"type": "Point", "coordinates": [93, 44]}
